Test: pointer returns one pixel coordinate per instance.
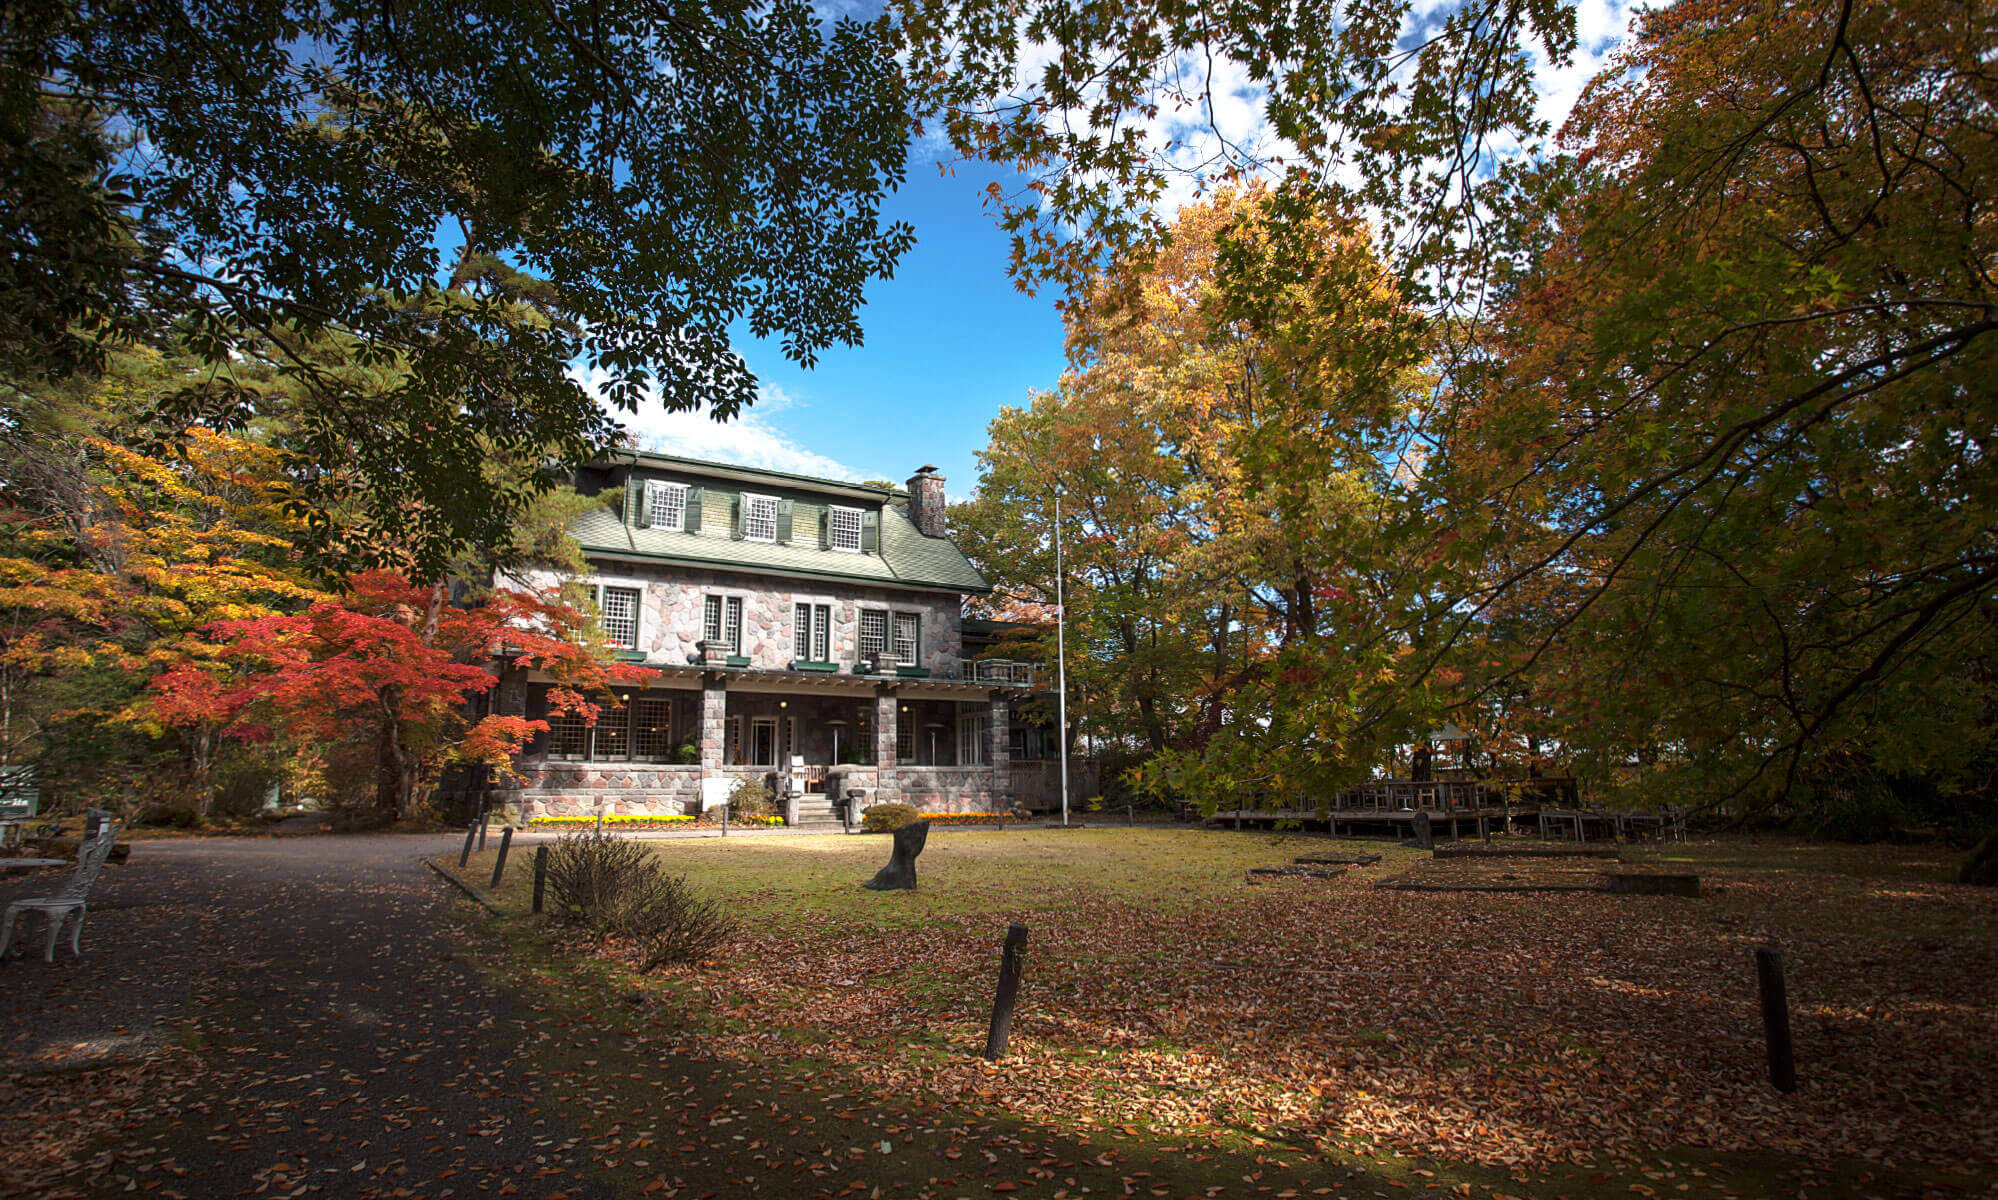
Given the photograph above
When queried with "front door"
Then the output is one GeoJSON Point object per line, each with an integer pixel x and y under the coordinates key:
{"type": "Point", "coordinates": [763, 742]}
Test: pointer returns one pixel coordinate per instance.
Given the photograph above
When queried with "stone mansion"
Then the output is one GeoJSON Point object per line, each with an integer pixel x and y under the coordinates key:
{"type": "Point", "coordinates": [806, 632]}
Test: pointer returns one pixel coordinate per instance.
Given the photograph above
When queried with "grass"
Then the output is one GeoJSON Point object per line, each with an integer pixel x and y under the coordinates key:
{"type": "Point", "coordinates": [1517, 1045]}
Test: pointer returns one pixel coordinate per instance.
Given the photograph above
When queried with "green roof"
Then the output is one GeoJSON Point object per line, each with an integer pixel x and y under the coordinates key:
{"type": "Point", "coordinates": [905, 558]}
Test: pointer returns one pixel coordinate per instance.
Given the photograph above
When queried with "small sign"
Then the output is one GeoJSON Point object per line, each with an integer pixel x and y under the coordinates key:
{"type": "Point", "coordinates": [20, 795]}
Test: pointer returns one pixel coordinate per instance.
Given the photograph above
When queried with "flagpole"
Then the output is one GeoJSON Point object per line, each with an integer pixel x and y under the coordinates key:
{"type": "Point", "coordinates": [1061, 661]}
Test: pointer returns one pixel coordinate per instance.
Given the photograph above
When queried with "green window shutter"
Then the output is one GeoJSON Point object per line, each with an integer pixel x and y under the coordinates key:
{"type": "Point", "coordinates": [693, 521]}
{"type": "Point", "coordinates": [870, 531]}
{"type": "Point", "coordinates": [783, 520]}
{"type": "Point", "coordinates": [634, 499]}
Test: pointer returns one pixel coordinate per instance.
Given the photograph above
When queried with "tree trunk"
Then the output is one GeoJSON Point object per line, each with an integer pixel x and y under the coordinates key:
{"type": "Point", "coordinates": [391, 773]}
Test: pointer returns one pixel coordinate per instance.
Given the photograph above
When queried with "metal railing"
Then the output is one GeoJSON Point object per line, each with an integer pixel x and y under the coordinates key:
{"type": "Point", "coordinates": [1004, 670]}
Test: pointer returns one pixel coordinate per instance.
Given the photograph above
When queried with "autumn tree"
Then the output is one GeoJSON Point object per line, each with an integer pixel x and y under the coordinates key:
{"type": "Point", "coordinates": [392, 669]}
{"type": "Point", "coordinates": [1235, 447]}
{"type": "Point", "coordinates": [1731, 429]}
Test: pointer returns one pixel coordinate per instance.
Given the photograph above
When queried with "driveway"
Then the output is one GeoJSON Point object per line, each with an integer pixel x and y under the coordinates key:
{"type": "Point", "coordinates": [281, 1016]}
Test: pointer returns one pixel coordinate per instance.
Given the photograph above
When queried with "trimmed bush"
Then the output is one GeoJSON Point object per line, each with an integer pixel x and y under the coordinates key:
{"type": "Point", "coordinates": [887, 818]}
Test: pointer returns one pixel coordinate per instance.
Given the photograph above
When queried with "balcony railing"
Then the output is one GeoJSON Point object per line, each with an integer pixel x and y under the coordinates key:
{"type": "Point", "coordinates": [1004, 670]}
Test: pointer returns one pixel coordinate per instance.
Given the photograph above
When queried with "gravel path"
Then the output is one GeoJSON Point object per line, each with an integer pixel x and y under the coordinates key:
{"type": "Point", "coordinates": [290, 1017]}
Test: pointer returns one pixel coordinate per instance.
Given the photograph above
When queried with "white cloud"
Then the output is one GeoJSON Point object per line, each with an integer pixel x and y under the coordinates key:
{"type": "Point", "coordinates": [752, 439]}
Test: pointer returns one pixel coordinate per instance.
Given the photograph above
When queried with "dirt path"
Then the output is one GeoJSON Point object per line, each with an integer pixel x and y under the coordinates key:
{"type": "Point", "coordinates": [278, 1015]}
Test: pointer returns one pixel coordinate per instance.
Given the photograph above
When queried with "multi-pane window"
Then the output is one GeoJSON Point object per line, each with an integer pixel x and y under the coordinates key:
{"type": "Point", "coordinates": [652, 728]}
{"type": "Point", "coordinates": [843, 526]}
{"type": "Point", "coordinates": [811, 632]}
{"type": "Point", "coordinates": [974, 721]}
{"type": "Point", "coordinates": [759, 518]}
{"type": "Point", "coordinates": [908, 638]}
{"type": "Point", "coordinates": [723, 622]}
{"type": "Point", "coordinates": [666, 504]}
{"type": "Point", "coordinates": [905, 739]}
{"type": "Point", "coordinates": [619, 606]}
{"type": "Point", "coordinates": [873, 632]}
{"type": "Point", "coordinates": [568, 737]}
{"type": "Point", "coordinates": [613, 733]}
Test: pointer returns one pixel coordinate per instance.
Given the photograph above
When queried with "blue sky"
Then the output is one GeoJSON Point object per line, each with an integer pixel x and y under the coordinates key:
{"type": "Point", "coordinates": [949, 341]}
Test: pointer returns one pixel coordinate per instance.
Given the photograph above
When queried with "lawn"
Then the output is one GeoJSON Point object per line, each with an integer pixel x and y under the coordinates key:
{"type": "Point", "coordinates": [1505, 1040]}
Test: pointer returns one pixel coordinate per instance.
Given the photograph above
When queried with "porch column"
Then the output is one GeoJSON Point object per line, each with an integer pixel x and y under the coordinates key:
{"type": "Point", "coordinates": [714, 720]}
{"type": "Point", "coordinates": [888, 785]}
{"type": "Point", "coordinates": [998, 746]}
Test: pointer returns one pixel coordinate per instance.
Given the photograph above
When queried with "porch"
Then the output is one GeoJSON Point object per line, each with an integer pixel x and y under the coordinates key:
{"type": "Point", "coordinates": [820, 737]}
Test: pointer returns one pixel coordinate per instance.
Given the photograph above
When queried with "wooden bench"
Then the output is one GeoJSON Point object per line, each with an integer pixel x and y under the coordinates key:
{"type": "Point", "coordinates": [70, 902]}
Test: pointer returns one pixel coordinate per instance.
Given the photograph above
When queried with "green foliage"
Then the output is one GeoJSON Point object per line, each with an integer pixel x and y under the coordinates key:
{"type": "Point", "coordinates": [620, 186]}
{"type": "Point", "coordinates": [687, 753]}
{"type": "Point", "coordinates": [887, 818]}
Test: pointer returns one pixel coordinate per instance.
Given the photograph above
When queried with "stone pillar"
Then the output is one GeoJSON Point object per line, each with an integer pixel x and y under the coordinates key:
{"type": "Point", "coordinates": [887, 723]}
{"type": "Point", "coordinates": [998, 750]}
{"type": "Point", "coordinates": [714, 720]}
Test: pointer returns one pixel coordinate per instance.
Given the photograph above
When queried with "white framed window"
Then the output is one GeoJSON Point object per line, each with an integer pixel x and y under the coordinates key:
{"type": "Point", "coordinates": [759, 518]}
{"type": "Point", "coordinates": [618, 608]}
{"type": "Point", "coordinates": [908, 639]}
{"type": "Point", "coordinates": [811, 632]}
{"type": "Point", "coordinates": [722, 622]}
{"type": "Point", "coordinates": [666, 505]}
{"type": "Point", "coordinates": [974, 721]}
{"type": "Point", "coordinates": [732, 743]}
{"type": "Point", "coordinates": [612, 734]}
{"type": "Point", "coordinates": [873, 632]}
{"type": "Point", "coordinates": [843, 529]}
{"type": "Point", "coordinates": [763, 742]}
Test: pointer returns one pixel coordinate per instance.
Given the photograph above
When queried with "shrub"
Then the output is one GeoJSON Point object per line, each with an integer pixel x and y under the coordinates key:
{"type": "Point", "coordinates": [751, 798]}
{"type": "Point", "coordinates": [887, 818]}
{"type": "Point", "coordinates": [616, 889]}
{"type": "Point", "coordinates": [686, 753]}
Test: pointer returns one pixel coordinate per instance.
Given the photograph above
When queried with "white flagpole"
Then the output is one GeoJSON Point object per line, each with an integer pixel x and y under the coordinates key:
{"type": "Point", "coordinates": [1061, 661]}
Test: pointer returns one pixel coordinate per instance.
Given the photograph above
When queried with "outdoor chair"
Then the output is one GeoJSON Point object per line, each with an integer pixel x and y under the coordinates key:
{"type": "Point", "coordinates": [70, 902]}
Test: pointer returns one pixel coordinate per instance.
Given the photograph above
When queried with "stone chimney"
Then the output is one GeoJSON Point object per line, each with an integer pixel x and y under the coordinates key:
{"type": "Point", "coordinates": [926, 501]}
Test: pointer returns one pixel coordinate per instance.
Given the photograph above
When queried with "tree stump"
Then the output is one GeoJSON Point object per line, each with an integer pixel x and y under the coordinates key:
{"type": "Point", "coordinates": [900, 872]}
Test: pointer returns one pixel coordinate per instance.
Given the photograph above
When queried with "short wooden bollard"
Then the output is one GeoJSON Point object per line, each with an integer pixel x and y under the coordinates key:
{"type": "Point", "coordinates": [1776, 1018]}
{"type": "Point", "coordinates": [484, 820]}
{"type": "Point", "coordinates": [724, 820]}
{"type": "Point", "coordinates": [1484, 831]}
{"type": "Point", "coordinates": [1238, 820]}
{"type": "Point", "coordinates": [465, 855]}
{"type": "Point", "coordinates": [1012, 958]}
{"type": "Point", "coordinates": [499, 864]}
{"type": "Point", "coordinates": [540, 874]}
{"type": "Point", "coordinates": [1130, 814]}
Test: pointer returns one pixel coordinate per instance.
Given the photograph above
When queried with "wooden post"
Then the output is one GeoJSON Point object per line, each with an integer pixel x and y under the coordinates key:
{"type": "Point", "coordinates": [1581, 834]}
{"type": "Point", "coordinates": [540, 874]}
{"type": "Point", "coordinates": [1238, 820]}
{"type": "Point", "coordinates": [1130, 814]}
{"type": "Point", "coordinates": [471, 831]}
{"type": "Point", "coordinates": [1543, 825]}
{"type": "Point", "coordinates": [1485, 830]}
{"type": "Point", "coordinates": [485, 818]}
{"type": "Point", "coordinates": [724, 809]}
{"type": "Point", "coordinates": [1776, 1019]}
{"type": "Point", "coordinates": [499, 864]}
{"type": "Point", "coordinates": [1011, 959]}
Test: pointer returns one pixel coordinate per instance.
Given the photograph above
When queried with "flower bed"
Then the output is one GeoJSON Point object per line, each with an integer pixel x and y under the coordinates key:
{"type": "Point", "coordinates": [614, 821]}
{"type": "Point", "coordinates": [941, 818]}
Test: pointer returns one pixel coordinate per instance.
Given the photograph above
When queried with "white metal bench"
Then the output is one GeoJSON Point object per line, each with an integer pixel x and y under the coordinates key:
{"type": "Point", "coordinates": [70, 902]}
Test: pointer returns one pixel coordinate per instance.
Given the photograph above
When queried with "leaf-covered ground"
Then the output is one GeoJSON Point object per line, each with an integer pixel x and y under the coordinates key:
{"type": "Point", "coordinates": [1519, 1033]}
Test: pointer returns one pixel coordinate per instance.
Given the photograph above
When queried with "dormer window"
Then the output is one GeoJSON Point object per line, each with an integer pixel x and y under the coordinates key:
{"type": "Point", "coordinates": [844, 527]}
{"type": "Point", "coordinates": [759, 518]}
{"type": "Point", "coordinates": [666, 505]}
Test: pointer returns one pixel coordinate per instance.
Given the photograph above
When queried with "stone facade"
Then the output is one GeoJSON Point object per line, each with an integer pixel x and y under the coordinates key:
{"type": "Point", "coordinates": [673, 609]}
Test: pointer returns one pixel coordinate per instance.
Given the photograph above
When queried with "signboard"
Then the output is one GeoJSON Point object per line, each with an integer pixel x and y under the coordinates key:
{"type": "Point", "coordinates": [20, 796]}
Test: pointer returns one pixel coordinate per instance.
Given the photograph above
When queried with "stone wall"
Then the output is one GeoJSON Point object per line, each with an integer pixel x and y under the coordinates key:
{"type": "Point", "coordinates": [952, 789]}
{"type": "Point", "coordinates": [579, 789]}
